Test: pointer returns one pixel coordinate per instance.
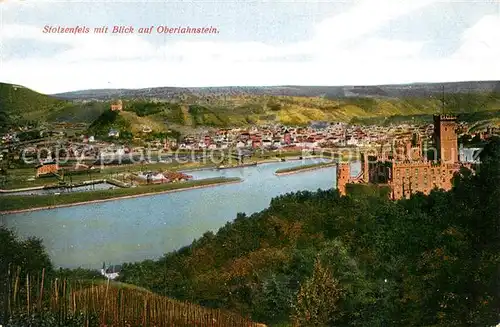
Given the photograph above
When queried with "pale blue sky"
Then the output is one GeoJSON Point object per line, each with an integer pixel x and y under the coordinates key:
{"type": "Point", "coordinates": [259, 43]}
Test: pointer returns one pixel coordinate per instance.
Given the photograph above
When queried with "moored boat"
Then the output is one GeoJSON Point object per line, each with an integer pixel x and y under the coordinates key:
{"type": "Point", "coordinates": [237, 166]}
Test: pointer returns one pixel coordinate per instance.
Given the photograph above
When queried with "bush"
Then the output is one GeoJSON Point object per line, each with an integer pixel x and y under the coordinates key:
{"type": "Point", "coordinates": [49, 319]}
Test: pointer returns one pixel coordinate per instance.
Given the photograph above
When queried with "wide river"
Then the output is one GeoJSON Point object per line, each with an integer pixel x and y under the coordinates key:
{"type": "Point", "coordinates": [146, 227]}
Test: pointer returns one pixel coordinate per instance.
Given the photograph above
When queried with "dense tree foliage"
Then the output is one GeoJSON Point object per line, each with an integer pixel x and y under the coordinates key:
{"type": "Point", "coordinates": [108, 119]}
{"type": "Point", "coordinates": [317, 301]}
{"type": "Point", "coordinates": [425, 261]}
{"type": "Point", "coordinates": [145, 108]}
{"type": "Point", "coordinates": [18, 104]}
{"type": "Point", "coordinates": [29, 256]}
{"type": "Point", "coordinates": [20, 258]}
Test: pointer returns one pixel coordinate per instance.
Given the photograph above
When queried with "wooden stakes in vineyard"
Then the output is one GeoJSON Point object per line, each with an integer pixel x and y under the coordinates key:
{"type": "Point", "coordinates": [113, 304]}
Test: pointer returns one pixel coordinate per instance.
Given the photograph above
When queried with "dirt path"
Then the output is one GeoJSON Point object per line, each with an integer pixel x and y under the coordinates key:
{"type": "Point", "coordinates": [188, 120]}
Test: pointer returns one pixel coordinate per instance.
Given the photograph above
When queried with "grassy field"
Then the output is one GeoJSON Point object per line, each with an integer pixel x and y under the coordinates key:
{"type": "Point", "coordinates": [17, 202]}
{"type": "Point", "coordinates": [491, 116]}
{"type": "Point", "coordinates": [24, 177]}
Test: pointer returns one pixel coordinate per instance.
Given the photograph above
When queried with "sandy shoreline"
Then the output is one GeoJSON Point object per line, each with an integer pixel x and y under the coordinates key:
{"type": "Point", "coordinates": [305, 169]}
{"type": "Point", "coordinates": [9, 212]}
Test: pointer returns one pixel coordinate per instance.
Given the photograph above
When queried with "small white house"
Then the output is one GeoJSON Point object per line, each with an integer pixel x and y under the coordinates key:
{"type": "Point", "coordinates": [153, 177]}
{"type": "Point", "coordinates": [267, 143]}
{"type": "Point", "coordinates": [114, 133]}
{"type": "Point", "coordinates": [111, 272]}
{"type": "Point", "coordinates": [352, 141]}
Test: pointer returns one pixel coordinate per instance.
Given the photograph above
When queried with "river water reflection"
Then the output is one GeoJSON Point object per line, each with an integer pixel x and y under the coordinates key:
{"type": "Point", "coordinates": [147, 227]}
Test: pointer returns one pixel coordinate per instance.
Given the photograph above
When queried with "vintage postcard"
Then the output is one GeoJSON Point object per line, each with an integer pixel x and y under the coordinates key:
{"type": "Point", "coordinates": [249, 163]}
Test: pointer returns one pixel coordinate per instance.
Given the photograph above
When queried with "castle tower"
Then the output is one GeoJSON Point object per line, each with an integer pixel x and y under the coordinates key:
{"type": "Point", "coordinates": [445, 138]}
{"type": "Point", "coordinates": [366, 168]}
{"type": "Point", "coordinates": [419, 146]}
{"type": "Point", "coordinates": [117, 106]}
{"type": "Point", "coordinates": [343, 176]}
{"type": "Point", "coordinates": [408, 151]}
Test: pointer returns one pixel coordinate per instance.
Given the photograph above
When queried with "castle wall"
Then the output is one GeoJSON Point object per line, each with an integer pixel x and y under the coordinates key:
{"type": "Point", "coordinates": [407, 170]}
{"type": "Point", "coordinates": [410, 171]}
{"type": "Point", "coordinates": [408, 178]}
{"type": "Point", "coordinates": [47, 169]}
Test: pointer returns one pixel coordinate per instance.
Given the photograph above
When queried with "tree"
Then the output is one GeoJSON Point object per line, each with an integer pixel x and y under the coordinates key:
{"type": "Point", "coordinates": [274, 300]}
{"type": "Point", "coordinates": [477, 206]}
{"type": "Point", "coordinates": [318, 299]}
{"type": "Point", "coordinates": [29, 256]}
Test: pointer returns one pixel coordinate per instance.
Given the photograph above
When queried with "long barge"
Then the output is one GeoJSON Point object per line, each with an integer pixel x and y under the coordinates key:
{"type": "Point", "coordinates": [238, 166]}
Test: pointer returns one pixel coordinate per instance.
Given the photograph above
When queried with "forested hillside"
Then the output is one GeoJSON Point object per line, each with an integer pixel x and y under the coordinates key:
{"type": "Point", "coordinates": [20, 106]}
{"type": "Point", "coordinates": [319, 259]}
{"type": "Point", "coordinates": [242, 111]}
{"type": "Point", "coordinates": [211, 108]}
{"type": "Point", "coordinates": [18, 103]}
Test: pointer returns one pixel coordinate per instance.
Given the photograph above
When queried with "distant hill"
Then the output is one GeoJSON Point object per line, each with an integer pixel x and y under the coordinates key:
{"type": "Point", "coordinates": [19, 105]}
{"type": "Point", "coordinates": [332, 92]}
{"type": "Point", "coordinates": [189, 109]}
{"type": "Point", "coordinates": [290, 104]}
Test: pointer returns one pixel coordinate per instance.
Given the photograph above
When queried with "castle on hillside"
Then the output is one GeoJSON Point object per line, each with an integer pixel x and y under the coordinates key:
{"type": "Point", "coordinates": [406, 169]}
{"type": "Point", "coordinates": [117, 106]}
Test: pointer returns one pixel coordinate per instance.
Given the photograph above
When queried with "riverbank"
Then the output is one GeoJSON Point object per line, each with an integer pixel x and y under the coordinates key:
{"type": "Point", "coordinates": [304, 168]}
{"type": "Point", "coordinates": [18, 204]}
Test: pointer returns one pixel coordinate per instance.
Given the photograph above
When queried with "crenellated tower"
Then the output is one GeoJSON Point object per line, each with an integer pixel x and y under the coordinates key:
{"type": "Point", "coordinates": [445, 138]}
{"type": "Point", "coordinates": [343, 176]}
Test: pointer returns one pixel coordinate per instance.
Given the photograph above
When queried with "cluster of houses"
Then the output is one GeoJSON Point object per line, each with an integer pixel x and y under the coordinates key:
{"type": "Point", "coordinates": [10, 137]}
{"type": "Point", "coordinates": [256, 137]}
{"type": "Point", "coordinates": [271, 137]}
{"type": "Point", "coordinates": [275, 137]}
{"type": "Point", "coordinates": [325, 135]}
{"type": "Point", "coordinates": [151, 177]}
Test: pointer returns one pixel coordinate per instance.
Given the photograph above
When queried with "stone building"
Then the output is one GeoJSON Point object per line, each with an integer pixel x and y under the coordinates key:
{"type": "Point", "coordinates": [45, 169]}
{"type": "Point", "coordinates": [406, 169]}
{"type": "Point", "coordinates": [117, 106]}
